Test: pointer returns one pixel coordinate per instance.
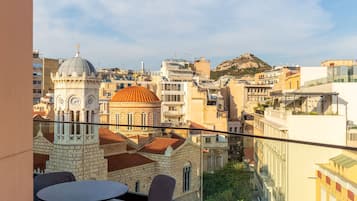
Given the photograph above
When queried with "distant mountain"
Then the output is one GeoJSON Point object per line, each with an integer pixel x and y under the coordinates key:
{"type": "Point", "coordinates": [245, 64]}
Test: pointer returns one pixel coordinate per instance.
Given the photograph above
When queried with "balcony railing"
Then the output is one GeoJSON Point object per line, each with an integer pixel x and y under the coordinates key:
{"type": "Point", "coordinates": [293, 169]}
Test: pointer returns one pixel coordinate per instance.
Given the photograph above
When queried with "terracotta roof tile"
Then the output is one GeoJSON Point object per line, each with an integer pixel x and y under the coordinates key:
{"type": "Point", "coordinates": [159, 145]}
{"type": "Point", "coordinates": [126, 160]}
{"type": "Point", "coordinates": [41, 113]}
{"type": "Point", "coordinates": [106, 136]}
{"type": "Point", "coordinates": [135, 94]}
{"type": "Point", "coordinates": [39, 161]}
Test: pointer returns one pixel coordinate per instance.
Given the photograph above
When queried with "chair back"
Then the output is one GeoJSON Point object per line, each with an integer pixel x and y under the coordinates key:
{"type": "Point", "coordinates": [162, 188]}
{"type": "Point", "coordinates": [43, 180]}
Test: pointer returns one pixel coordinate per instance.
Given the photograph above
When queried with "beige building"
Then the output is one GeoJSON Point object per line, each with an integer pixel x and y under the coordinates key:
{"type": "Point", "coordinates": [280, 78]}
{"type": "Point", "coordinates": [214, 147]}
{"type": "Point", "coordinates": [45, 107]}
{"type": "Point", "coordinates": [134, 105]}
{"type": "Point", "coordinates": [336, 180]}
{"type": "Point", "coordinates": [202, 68]}
{"type": "Point", "coordinates": [42, 69]}
{"type": "Point", "coordinates": [279, 164]}
{"type": "Point", "coordinates": [110, 155]}
{"type": "Point", "coordinates": [108, 89]}
{"type": "Point", "coordinates": [339, 62]}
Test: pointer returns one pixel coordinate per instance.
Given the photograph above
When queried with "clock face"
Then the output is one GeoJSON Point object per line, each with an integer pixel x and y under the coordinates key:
{"type": "Point", "coordinates": [75, 101]}
{"type": "Point", "coordinates": [90, 100]}
{"type": "Point", "coordinates": [60, 101]}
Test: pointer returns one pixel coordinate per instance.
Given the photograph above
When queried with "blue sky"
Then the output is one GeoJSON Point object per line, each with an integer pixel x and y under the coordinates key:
{"type": "Point", "coordinates": [121, 33]}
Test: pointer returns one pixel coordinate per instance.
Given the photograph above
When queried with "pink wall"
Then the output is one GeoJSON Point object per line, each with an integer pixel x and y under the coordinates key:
{"type": "Point", "coordinates": [16, 100]}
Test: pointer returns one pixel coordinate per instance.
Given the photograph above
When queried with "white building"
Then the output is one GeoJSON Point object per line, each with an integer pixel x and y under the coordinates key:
{"type": "Point", "coordinates": [284, 170]}
{"type": "Point", "coordinates": [176, 70]}
{"type": "Point", "coordinates": [76, 99]}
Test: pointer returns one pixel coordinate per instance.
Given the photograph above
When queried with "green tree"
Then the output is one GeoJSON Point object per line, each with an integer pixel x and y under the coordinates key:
{"type": "Point", "coordinates": [231, 183]}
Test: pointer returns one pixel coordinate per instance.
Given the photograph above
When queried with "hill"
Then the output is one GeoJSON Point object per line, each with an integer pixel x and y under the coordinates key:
{"type": "Point", "coordinates": [246, 64]}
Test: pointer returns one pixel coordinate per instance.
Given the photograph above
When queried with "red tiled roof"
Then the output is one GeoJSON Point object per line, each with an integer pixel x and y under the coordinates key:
{"type": "Point", "coordinates": [41, 113]}
{"type": "Point", "coordinates": [39, 161]}
{"type": "Point", "coordinates": [135, 94]}
{"type": "Point", "coordinates": [106, 136]}
{"type": "Point", "coordinates": [126, 160]}
{"type": "Point", "coordinates": [159, 145]}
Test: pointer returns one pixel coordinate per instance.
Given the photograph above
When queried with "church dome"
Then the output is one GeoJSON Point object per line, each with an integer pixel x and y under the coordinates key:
{"type": "Point", "coordinates": [76, 65]}
{"type": "Point", "coordinates": [135, 94]}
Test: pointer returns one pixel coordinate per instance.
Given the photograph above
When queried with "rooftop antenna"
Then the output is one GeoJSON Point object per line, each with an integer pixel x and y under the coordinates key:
{"type": "Point", "coordinates": [77, 47]}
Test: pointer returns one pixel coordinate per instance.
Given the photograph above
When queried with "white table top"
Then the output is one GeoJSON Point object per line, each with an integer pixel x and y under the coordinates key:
{"type": "Point", "coordinates": [89, 190]}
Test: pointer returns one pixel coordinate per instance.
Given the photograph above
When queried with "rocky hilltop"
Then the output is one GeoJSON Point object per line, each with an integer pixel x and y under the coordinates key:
{"type": "Point", "coordinates": [245, 64]}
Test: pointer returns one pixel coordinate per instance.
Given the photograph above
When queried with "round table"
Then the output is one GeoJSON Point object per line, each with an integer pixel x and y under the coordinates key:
{"type": "Point", "coordinates": [89, 190]}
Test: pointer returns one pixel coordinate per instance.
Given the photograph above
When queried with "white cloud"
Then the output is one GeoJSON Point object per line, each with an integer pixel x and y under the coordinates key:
{"type": "Point", "coordinates": [293, 30]}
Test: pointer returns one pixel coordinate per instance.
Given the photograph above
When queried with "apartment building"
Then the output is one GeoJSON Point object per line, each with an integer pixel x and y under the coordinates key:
{"type": "Point", "coordinates": [202, 68]}
{"type": "Point", "coordinates": [42, 69]}
{"type": "Point", "coordinates": [279, 165]}
{"type": "Point", "coordinates": [176, 70]}
{"type": "Point", "coordinates": [336, 180]}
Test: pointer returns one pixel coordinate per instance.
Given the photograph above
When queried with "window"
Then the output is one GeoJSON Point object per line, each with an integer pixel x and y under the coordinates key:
{"type": "Point", "coordinates": [37, 65]}
{"type": "Point", "coordinates": [117, 121]}
{"type": "Point", "coordinates": [36, 82]}
{"type": "Point", "coordinates": [208, 140]}
{"type": "Point", "coordinates": [137, 186]}
{"type": "Point", "coordinates": [154, 119]}
{"type": "Point", "coordinates": [230, 129]}
{"type": "Point", "coordinates": [87, 121]}
{"type": "Point", "coordinates": [62, 125]}
{"type": "Point", "coordinates": [235, 129]}
{"type": "Point", "coordinates": [92, 121]}
{"type": "Point", "coordinates": [36, 91]}
{"type": "Point", "coordinates": [130, 121]}
{"type": "Point", "coordinates": [143, 120]}
{"type": "Point", "coordinates": [78, 129]}
{"type": "Point", "coordinates": [71, 119]}
{"type": "Point", "coordinates": [186, 177]}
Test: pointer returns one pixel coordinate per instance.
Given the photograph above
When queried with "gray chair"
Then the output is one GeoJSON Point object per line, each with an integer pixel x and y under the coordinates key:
{"type": "Point", "coordinates": [161, 189]}
{"type": "Point", "coordinates": [43, 180]}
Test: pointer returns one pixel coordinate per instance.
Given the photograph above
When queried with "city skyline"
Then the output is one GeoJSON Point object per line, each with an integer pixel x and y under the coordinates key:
{"type": "Point", "coordinates": [121, 34]}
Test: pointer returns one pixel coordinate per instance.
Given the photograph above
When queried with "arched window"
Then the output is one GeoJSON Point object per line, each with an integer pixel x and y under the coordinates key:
{"type": "Point", "coordinates": [58, 125]}
{"type": "Point", "coordinates": [137, 186]}
{"type": "Point", "coordinates": [87, 121]}
{"type": "Point", "coordinates": [92, 121]}
{"type": "Point", "coordinates": [117, 120]}
{"type": "Point", "coordinates": [130, 121]}
{"type": "Point", "coordinates": [78, 129]}
{"type": "Point", "coordinates": [186, 181]}
{"type": "Point", "coordinates": [143, 120]}
{"type": "Point", "coordinates": [62, 124]}
{"type": "Point", "coordinates": [71, 118]}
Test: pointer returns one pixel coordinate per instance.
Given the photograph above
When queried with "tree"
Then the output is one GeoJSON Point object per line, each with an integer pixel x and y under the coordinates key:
{"type": "Point", "coordinates": [231, 183]}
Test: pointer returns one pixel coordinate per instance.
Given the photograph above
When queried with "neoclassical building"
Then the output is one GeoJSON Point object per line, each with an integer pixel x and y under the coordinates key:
{"type": "Point", "coordinates": [93, 152]}
{"type": "Point", "coordinates": [76, 88]}
{"type": "Point", "coordinates": [135, 105]}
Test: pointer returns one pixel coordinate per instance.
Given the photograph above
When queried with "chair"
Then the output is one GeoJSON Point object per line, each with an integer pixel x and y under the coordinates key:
{"type": "Point", "coordinates": [43, 180]}
{"type": "Point", "coordinates": [161, 189]}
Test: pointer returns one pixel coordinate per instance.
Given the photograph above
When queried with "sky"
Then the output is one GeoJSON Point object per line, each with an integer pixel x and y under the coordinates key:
{"type": "Point", "coordinates": [122, 33]}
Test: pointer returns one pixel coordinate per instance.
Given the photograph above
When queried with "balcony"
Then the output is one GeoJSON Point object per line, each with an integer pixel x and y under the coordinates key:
{"type": "Point", "coordinates": [173, 113]}
{"type": "Point", "coordinates": [201, 170]}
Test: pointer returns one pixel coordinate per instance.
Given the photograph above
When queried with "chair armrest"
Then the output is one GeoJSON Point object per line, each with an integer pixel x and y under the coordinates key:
{"type": "Point", "coordinates": [132, 196]}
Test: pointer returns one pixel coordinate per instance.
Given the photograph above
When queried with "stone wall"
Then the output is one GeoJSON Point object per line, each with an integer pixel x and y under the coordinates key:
{"type": "Point", "coordinates": [174, 163]}
{"type": "Point", "coordinates": [41, 145]}
{"type": "Point", "coordinates": [129, 176]}
{"type": "Point", "coordinates": [85, 162]}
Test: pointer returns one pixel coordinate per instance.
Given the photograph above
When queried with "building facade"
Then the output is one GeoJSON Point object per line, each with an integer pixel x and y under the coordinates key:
{"type": "Point", "coordinates": [76, 99]}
